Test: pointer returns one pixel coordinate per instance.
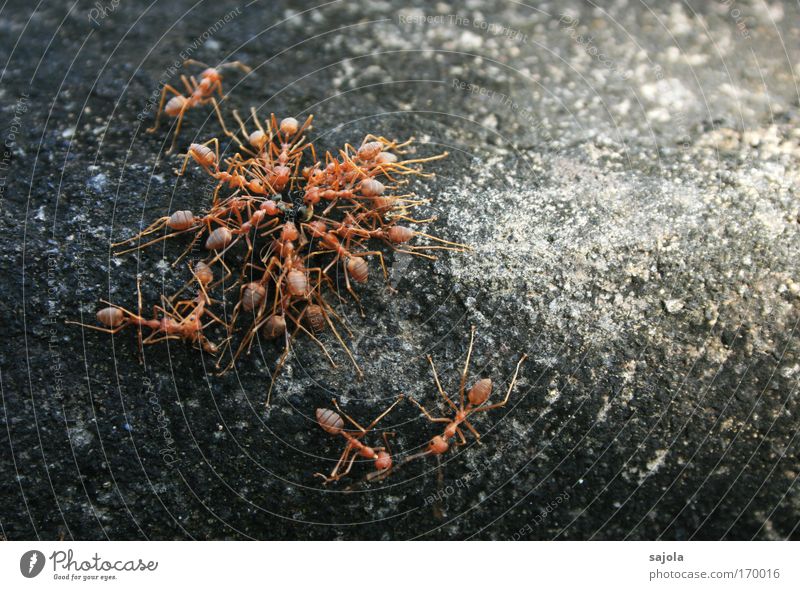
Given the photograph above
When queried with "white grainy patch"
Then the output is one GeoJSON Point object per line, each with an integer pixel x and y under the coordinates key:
{"type": "Point", "coordinates": [653, 465]}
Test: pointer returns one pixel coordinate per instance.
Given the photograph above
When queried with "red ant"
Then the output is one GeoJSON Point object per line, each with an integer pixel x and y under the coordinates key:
{"type": "Point", "coordinates": [354, 263]}
{"type": "Point", "coordinates": [476, 397]}
{"type": "Point", "coordinates": [332, 423]}
{"type": "Point", "coordinates": [183, 321]}
{"type": "Point", "coordinates": [197, 93]}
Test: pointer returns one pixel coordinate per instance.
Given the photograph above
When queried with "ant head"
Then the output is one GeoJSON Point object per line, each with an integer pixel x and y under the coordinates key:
{"type": "Point", "coordinates": [438, 445]}
{"type": "Point", "coordinates": [383, 460]}
{"type": "Point", "coordinates": [210, 74]}
{"type": "Point", "coordinates": [480, 392]}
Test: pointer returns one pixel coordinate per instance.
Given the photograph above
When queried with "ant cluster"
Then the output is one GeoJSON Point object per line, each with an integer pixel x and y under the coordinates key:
{"type": "Point", "coordinates": [300, 221]}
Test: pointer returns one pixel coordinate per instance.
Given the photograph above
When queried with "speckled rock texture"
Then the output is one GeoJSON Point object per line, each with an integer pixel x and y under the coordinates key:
{"type": "Point", "coordinates": [626, 173]}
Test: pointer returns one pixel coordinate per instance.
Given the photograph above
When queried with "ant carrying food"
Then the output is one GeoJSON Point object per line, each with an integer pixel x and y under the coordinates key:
{"type": "Point", "coordinates": [475, 399]}
{"type": "Point", "coordinates": [332, 423]}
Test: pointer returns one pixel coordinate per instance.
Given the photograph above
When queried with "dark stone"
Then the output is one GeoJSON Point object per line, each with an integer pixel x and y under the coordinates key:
{"type": "Point", "coordinates": [608, 190]}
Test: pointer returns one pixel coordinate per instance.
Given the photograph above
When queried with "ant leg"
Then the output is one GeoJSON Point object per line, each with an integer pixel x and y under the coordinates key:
{"type": "Point", "coordinates": [380, 257]}
{"type": "Point", "coordinates": [327, 309]}
{"type": "Point", "coordinates": [139, 311]}
{"type": "Point", "coordinates": [463, 384]}
{"type": "Point", "coordinates": [153, 227]}
{"type": "Point", "coordinates": [474, 432]}
{"type": "Point", "coordinates": [374, 422]}
{"type": "Point", "coordinates": [439, 386]}
{"type": "Point", "coordinates": [281, 362]}
{"type": "Point", "coordinates": [415, 253]}
{"type": "Point", "coordinates": [379, 418]}
{"type": "Point", "coordinates": [305, 125]}
{"type": "Point", "coordinates": [178, 124]}
{"type": "Point", "coordinates": [187, 85]}
{"type": "Point", "coordinates": [508, 393]}
{"type": "Point", "coordinates": [235, 64]}
{"type": "Point", "coordinates": [194, 62]}
{"type": "Point", "coordinates": [386, 438]}
{"type": "Point", "coordinates": [423, 160]}
{"type": "Point", "coordinates": [238, 119]}
{"type": "Point", "coordinates": [379, 475]}
{"type": "Point", "coordinates": [167, 88]}
{"type": "Point", "coordinates": [152, 340]}
{"type": "Point", "coordinates": [344, 456]}
{"type": "Point", "coordinates": [344, 473]}
{"type": "Point", "coordinates": [353, 293]}
{"type": "Point", "coordinates": [461, 247]}
{"type": "Point", "coordinates": [191, 245]}
{"type": "Point", "coordinates": [125, 323]}
{"type": "Point", "coordinates": [151, 242]}
{"type": "Point", "coordinates": [353, 422]}
{"type": "Point", "coordinates": [214, 319]}
{"type": "Point", "coordinates": [424, 411]}
{"type": "Point", "coordinates": [298, 322]}
{"type": "Point", "coordinates": [257, 122]}
{"type": "Point", "coordinates": [344, 346]}
{"type": "Point", "coordinates": [225, 130]}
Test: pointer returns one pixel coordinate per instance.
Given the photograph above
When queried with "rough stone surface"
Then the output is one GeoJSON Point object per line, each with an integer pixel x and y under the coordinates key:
{"type": "Point", "coordinates": [627, 175]}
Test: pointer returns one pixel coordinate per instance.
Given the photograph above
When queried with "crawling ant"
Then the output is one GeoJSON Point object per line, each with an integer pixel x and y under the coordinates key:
{"type": "Point", "coordinates": [332, 423]}
{"type": "Point", "coordinates": [181, 320]}
{"type": "Point", "coordinates": [197, 93]}
{"type": "Point", "coordinates": [475, 400]}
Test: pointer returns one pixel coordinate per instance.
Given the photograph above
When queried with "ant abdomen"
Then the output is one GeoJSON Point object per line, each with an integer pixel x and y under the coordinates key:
{"type": "Point", "coordinates": [252, 296]}
{"type": "Point", "coordinates": [203, 154]}
{"type": "Point", "coordinates": [297, 283]}
{"type": "Point", "coordinates": [203, 273]}
{"type": "Point", "coordinates": [316, 317]}
{"type": "Point", "coordinates": [399, 234]}
{"type": "Point", "coordinates": [372, 188]}
{"type": "Point", "coordinates": [219, 238]}
{"type": "Point", "coordinates": [358, 269]}
{"type": "Point", "coordinates": [257, 139]}
{"type": "Point", "coordinates": [369, 150]}
{"type": "Point", "coordinates": [175, 105]}
{"type": "Point", "coordinates": [329, 421]}
{"type": "Point", "coordinates": [110, 316]}
{"type": "Point", "coordinates": [385, 158]}
{"type": "Point", "coordinates": [480, 392]}
{"type": "Point", "coordinates": [289, 126]}
{"type": "Point", "coordinates": [289, 232]}
{"type": "Point", "coordinates": [181, 220]}
{"type": "Point", "coordinates": [275, 326]}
